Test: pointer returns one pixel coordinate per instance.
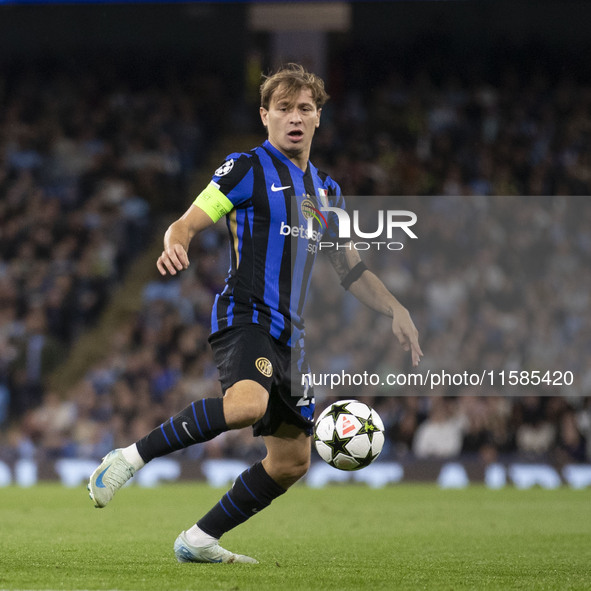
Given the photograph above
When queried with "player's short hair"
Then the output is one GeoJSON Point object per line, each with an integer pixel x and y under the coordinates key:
{"type": "Point", "coordinates": [292, 78]}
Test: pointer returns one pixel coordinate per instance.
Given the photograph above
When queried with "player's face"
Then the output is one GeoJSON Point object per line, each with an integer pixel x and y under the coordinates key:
{"type": "Point", "coordinates": [291, 121]}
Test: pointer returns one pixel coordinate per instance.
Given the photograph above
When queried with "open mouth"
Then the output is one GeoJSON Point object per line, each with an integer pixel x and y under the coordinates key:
{"type": "Point", "coordinates": [296, 134]}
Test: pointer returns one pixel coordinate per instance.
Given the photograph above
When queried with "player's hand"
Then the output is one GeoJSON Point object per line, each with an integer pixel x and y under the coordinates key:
{"type": "Point", "coordinates": [172, 260]}
{"type": "Point", "coordinates": [406, 333]}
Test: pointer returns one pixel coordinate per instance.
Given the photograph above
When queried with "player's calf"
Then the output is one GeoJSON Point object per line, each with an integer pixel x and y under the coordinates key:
{"type": "Point", "coordinates": [201, 421]}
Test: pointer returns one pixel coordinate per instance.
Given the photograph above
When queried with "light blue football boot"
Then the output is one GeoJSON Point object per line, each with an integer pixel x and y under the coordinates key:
{"type": "Point", "coordinates": [113, 472]}
{"type": "Point", "coordinates": [185, 552]}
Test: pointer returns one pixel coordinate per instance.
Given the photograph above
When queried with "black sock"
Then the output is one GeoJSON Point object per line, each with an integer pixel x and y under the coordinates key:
{"type": "Point", "coordinates": [253, 490]}
{"type": "Point", "coordinates": [200, 421]}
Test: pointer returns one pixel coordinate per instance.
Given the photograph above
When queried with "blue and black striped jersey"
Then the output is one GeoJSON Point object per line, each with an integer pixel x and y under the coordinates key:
{"type": "Point", "coordinates": [272, 246]}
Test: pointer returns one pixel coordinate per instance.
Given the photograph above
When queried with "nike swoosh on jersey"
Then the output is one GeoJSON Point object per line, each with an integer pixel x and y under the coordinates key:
{"type": "Point", "coordinates": [184, 423]}
{"type": "Point", "coordinates": [275, 189]}
{"type": "Point", "coordinates": [99, 480]}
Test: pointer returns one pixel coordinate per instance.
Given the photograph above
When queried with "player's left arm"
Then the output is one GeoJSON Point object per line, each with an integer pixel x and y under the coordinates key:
{"type": "Point", "coordinates": [369, 289]}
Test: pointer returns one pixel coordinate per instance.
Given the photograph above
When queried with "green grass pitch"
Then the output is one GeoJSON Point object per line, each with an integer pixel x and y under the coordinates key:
{"type": "Point", "coordinates": [338, 538]}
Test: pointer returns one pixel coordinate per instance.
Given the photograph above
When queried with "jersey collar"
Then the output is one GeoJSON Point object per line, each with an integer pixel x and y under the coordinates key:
{"type": "Point", "coordinates": [273, 150]}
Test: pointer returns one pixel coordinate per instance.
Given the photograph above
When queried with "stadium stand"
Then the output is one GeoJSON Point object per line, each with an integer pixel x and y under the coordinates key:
{"type": "Point", "coordinates": [497, 283]}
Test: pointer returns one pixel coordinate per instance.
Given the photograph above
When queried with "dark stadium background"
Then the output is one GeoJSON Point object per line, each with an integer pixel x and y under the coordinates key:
{"type": "Point", "coordinates": [113, 115]}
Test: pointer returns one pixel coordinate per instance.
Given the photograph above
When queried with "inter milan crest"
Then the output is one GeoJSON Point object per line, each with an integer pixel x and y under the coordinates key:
{"type": "Point", "coordinates": [264, 366]}
{"type": "Point", "coordinates": [307, 208]}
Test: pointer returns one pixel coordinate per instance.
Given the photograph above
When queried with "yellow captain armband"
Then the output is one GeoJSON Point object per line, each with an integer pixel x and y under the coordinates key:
{"type": "Point", "coordinates": [213, 202]}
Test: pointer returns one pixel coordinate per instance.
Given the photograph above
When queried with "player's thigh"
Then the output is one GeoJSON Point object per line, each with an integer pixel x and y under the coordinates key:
{"type": "Point", "coordinates": [243, 356]}
{"type": "Point", "coordinates": [245, 402]}
{"type": "Point", "coordinates": [291, 399]}
{"type": "Point", "coordinates": [289, 451]}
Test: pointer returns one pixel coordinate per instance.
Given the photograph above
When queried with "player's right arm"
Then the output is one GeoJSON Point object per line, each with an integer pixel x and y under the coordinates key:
{"type": "Point", "coordinates": [230, 187]}
{"type": "Point", "coordinates": [177, 238]}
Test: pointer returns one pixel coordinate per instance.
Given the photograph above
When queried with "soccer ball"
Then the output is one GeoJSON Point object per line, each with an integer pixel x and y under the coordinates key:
{"type": "Point", "coordinates": [349, 435]}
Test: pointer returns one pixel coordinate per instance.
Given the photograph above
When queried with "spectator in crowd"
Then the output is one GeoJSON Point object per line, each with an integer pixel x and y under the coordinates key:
{"type": "Point", "coordinates": [442, 433]}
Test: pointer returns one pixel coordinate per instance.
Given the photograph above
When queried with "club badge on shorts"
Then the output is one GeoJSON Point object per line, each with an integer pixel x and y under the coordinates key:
{"type": "Point", "coordinates": [264, 366]}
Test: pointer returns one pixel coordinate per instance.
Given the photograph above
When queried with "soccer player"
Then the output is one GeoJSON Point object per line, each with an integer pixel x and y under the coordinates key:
{"type": "Point", "coordinates": [257, 338]}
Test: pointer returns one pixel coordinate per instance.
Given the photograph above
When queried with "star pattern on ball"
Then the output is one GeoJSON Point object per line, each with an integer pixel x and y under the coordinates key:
{"type": "Point", "coordinates": [337, 444]}
{"type": "Point", "coordinates": [336, 410]}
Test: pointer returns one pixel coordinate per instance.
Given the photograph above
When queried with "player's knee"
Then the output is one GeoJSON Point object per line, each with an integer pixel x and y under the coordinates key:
{"type": "Point", "coordinates": [299, 469]}
{"type": "Point", "coordinates": [289, 472]}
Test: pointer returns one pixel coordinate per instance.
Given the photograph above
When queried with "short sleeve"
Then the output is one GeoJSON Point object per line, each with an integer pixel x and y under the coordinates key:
{"type": "Point", "coordinates": [234, 178]}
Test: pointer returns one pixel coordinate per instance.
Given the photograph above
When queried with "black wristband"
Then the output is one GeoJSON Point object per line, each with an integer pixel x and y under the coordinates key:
{"type": "Point", "coordinates": [353, 274]}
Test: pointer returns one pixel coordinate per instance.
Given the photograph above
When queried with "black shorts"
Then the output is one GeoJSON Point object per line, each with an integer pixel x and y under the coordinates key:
{"type": "Point", "coordinates": [248, 352]}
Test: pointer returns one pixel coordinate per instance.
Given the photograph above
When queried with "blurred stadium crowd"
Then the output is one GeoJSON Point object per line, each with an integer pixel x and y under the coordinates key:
{"type": "Point", "coordinates": [88, 166]}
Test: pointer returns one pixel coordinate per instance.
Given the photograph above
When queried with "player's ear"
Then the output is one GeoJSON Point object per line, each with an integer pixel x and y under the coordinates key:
{"type": "Point", "coordinates": [318, 117]}
{"type": "Point", "coordinates": [264, 114]}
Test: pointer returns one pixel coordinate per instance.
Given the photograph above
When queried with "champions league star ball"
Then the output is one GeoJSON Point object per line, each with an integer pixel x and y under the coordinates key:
{"type": "Point", "coordinates": [349, 435]}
